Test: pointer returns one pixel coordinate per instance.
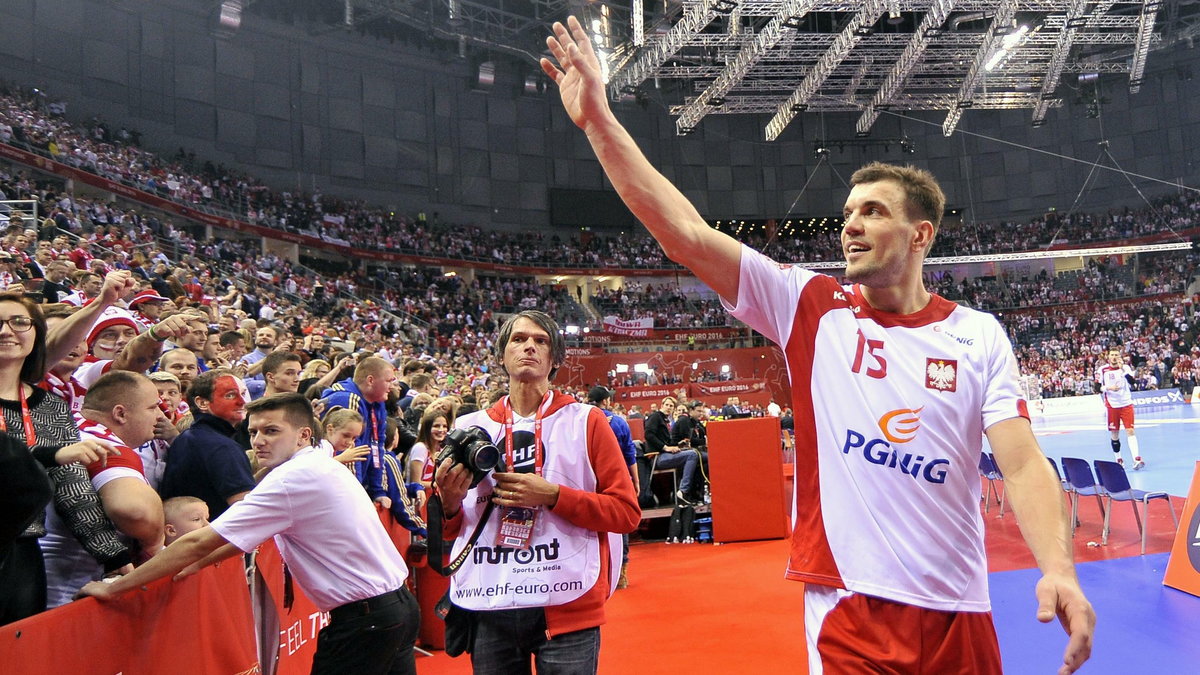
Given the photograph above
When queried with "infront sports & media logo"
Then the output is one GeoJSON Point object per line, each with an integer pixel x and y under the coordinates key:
{"type": "Point", "coordinates": [898, 427]}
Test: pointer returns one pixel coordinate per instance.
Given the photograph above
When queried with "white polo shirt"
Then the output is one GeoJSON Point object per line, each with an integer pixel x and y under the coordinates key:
{"type": "Point", "coordinates": [326, 527]}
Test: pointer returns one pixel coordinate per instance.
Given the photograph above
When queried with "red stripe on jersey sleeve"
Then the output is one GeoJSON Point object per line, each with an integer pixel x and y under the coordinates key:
{"type": "Point", "coordinates": [128, 459]}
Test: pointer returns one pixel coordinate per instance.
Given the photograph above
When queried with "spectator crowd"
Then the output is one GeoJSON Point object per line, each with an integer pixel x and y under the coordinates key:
{"type": "Point", "coordinates": [134, 301]}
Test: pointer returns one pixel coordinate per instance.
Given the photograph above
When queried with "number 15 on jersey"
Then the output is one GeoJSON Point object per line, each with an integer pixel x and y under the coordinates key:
{"type": "Point", "coordinates": [877, 366]}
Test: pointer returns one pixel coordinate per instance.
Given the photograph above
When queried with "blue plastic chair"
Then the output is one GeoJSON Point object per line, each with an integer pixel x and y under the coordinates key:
{"type": "Point", "coordinates": [1067, 489]}
{"type": "Point", "coordinates": [1116, 488]}
{"type": "Point", "coordinates": [989, 470]}
{"type": "Point", "coordinates": [1079, 481]}
{"type": "Point", "coordinates": [1058, 473]}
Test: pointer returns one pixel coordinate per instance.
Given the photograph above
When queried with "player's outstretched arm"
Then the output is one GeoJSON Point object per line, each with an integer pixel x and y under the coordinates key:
{"type": "Point", "coordinates": [685, 237]}
{"type": "Point", "coordinates": [1036, 498]}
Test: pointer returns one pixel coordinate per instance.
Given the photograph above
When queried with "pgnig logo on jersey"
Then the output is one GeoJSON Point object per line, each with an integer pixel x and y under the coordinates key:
{"type": "Point", "coordinates": [897, 427]}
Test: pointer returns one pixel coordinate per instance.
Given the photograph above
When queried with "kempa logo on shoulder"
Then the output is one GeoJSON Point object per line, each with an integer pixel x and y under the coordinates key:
{"type": "Point", "coordinates": [897, 427]}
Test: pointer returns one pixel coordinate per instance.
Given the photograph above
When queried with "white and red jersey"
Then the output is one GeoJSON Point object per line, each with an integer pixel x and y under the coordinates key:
{"type": "Point", "coordinates": [890, 411]}
{"type": "Point", "coordinates": [1108, 376]}
{"type": "Point", "coordinates": [420, 453]}
{"type": "Point", "coordinates": [127, 464]}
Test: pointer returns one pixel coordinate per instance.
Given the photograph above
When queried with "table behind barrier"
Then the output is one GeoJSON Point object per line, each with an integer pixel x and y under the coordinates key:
{"type": "Point", "coordinates": [746, 471]}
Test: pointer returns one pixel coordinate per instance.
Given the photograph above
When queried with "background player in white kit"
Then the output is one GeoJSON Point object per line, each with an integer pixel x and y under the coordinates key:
{"type": "Point", "coordinates": [1115, 378]}
{"type": "Point", "coordinates": [905, 588]}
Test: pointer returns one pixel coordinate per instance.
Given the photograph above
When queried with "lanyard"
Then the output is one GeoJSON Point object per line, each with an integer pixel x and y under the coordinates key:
{"type": "Point", "coordinates": [537, 432]}
{"type": "Point", "coordinates": [376, 446]}
{"type": "Point", "coordinates": [30, 436]}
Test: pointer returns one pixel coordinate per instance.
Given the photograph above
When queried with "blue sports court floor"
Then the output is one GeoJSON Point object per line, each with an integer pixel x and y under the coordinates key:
{"type": "Point", "coordinates": [1169, 439]}
{"type": "Point", "coordinates": [1142, 626]}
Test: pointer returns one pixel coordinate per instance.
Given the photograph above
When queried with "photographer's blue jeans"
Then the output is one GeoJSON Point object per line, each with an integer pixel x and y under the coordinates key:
{"type": "Point", "coordinates": [507, 638]}
{"type": "Point", "coordinates": [688, 458]}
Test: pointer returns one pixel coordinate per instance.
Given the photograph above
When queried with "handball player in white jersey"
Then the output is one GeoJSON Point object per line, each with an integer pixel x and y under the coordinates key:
{"type": "Point", "coordinates": [893, 390]}
{"type": "Point", "coordinates": [1115, 378]}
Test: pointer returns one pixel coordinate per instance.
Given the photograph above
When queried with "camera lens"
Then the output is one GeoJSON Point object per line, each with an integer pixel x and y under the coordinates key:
{"type": "Point", "coordinates": [484, 456]}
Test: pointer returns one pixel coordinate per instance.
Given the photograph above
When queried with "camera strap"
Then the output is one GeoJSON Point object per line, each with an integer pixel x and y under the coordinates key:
{"type": "Point", "coordinates": [437, 544]}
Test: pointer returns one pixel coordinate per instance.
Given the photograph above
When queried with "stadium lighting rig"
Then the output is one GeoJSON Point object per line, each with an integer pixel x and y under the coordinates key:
{"type": "Point", "coordinates": [786, 57]}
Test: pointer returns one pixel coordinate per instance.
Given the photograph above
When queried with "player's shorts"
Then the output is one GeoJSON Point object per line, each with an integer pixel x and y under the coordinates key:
{"type": "Point", "coordinates": [1120, 416]}
{"type": "Point", "coordinates": [854, 633]}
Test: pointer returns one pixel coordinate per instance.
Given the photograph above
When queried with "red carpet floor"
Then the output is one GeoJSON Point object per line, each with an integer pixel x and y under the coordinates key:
{"type": "Point", "coordinates": [695, 608]}
{"type": "Point", "coordinates": [698, 608]}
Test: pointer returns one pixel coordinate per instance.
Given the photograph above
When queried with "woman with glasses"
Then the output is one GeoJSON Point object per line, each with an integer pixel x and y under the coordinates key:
{"type": "Point", "coordinates": [41, 421]}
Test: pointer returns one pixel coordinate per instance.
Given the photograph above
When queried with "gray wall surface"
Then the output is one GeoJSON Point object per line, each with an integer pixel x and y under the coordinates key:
{"type": "Point", "coordinates": [355, 116]}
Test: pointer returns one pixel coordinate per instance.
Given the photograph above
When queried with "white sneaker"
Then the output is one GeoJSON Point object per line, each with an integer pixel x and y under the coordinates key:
{"type": "Point", "coordinates": [1121, 461]}
{"type": "Point", "coordinates": [1138, 463]}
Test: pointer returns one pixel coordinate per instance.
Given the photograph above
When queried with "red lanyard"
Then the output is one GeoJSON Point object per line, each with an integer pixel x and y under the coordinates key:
{"type": "Point", "coordinates": [30, 436]}
{"type": "Point", "coordinates": [537, 432]}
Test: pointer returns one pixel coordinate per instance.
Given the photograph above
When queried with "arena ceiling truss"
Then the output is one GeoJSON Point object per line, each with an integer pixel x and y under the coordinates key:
{"type": "Point", "coordinates": [785, 57]}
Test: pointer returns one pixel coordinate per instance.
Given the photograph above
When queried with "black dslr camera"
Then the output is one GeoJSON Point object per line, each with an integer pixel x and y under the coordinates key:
{"type": "Point", "coordinates": [473, 448]}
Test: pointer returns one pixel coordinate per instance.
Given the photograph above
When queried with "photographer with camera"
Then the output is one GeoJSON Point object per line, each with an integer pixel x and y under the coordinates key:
{"type": "Point", "coordinates": [546, 561]}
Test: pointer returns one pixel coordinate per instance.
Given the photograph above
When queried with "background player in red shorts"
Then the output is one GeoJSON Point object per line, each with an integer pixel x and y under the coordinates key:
{"type": "Point", "coordinates": [1115, 378]}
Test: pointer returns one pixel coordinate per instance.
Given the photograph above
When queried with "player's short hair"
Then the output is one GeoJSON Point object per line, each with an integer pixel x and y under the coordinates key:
{"type": "Point", "coordinates": [924, 198]}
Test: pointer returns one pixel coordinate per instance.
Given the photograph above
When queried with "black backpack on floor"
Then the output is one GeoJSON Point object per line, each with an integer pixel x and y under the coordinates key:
{"type": "Point", "coordinates": [683, 524]}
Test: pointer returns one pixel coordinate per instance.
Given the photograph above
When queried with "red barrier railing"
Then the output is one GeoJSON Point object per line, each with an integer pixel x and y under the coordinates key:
{"type": "Point", "coordinates": [201, 625]}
